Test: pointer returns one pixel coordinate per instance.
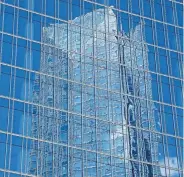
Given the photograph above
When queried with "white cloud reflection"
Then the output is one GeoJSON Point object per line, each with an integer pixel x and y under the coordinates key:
{"type": "Point", "coordinates": [169, 162]}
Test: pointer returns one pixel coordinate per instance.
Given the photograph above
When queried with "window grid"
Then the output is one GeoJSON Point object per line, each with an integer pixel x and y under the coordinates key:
{"type": "Point", "coordinates": [159, 73]}
{"type": "Point", "coordinates": [91, 90]}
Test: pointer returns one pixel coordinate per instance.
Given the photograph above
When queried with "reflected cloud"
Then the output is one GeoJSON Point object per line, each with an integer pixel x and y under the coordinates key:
{"type": "Point", "coordinates": [169, 162]}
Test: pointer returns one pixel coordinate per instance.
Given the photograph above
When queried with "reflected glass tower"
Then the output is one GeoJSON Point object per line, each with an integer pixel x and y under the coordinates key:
{"type": "Point", "coordinates": [91, 88]}
{"type": "Point", "coordinates": [140, 145]}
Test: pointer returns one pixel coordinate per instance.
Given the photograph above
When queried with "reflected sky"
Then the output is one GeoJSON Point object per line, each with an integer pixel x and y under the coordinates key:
{"type": "Point", "coordinates": [96, 67]}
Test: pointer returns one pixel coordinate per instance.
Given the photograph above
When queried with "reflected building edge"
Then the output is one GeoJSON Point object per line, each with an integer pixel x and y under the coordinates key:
{"type": "Point", "coordinates": [47, 159]}
{"type": "Point", "coordinates": [60, 127]}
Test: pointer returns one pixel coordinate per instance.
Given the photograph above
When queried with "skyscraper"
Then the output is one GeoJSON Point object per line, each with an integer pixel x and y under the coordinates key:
{"type": "Point", "coordinates": [91, 88]}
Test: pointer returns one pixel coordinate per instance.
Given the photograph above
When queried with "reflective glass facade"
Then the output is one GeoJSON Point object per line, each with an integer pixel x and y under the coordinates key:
{"type": "Point", "coordinates": [91, 88]}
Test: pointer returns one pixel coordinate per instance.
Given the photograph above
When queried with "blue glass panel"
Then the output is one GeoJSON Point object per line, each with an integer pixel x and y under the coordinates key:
{"type": "Point", "coordinates": [112, 3]}
{"type": "Point", "coordinates": [135, 7]}
{"type": "Point", "coordinates": [5, 78]}
{"type": "Point", "coordinates": [124, 22]}
{"type": "Point", "coordinates": [180, 39]}
{"type": "Point", "coordinates": [7, 49]}
{"type": "Point", "coordinates": [160, 34]}
{"type": "Point", "coordinates": [38, 6]}
{"type": "Point", "coordinates": [24, 3]}
{"type": "Point", "coordinates": [178, 92]}
{"type": "Point", "coordinates": [63, 10]}
{"type": "Point", "coordinates": [20, 84]}
{"type": "Point", "coordinates": [152, 62]}
{"type": "Point", "coordinates": [16, 150]}
{"type": "Point", "coordinates": [4, 117]}
{"type": "Point", "coordinates": [155, 90]}
{"type": "Point", "coordinates": [166, 90]}
{"type": "Point", "coordinates": [169, 122]}
{"type": "Point", "coordinates": [158, 10]}
{"type": "Point", "coordinates": [76, 11]}
{"type": "Point", "coordinates": [100, 1]}
{"type": "Point", "coordinates": [1, 173]}
{"type": "Point", "coordinates": [2, 150]}
{"type": "Point", "coordinates": [50, 8]}
{"type": "Point", "coordinates": [10, 1]}
{"type": "Point", "coordinates": [147, 8]}
{"type": "Point", "coordinates": [175, 64]}
{"type": "Point", "coordinates": [22, 26]}
{"type": "Point", "coordinates": [15, 175]}
{"type": "Point", "coordinates": [8, 19]}
{"type": "Point", "coordinates": [124, 5]}
{"type": "Point", "coordinates": [35, 58]}
{"type": "Point", "coordinates": [149, 31]}
{"type": "Point", "coordinates": [1, 16]}
{"type": "Point", "coordinates": [179, 123]}
{"type": "Point", "coordinates": [172, 37]}
{"type": "Point", "coordinates": [169, 12]}
{"type": "Point", "coordinates": [163, 63]}
{"type": "Point", "coordinates": [18, 118]}
{"type": "Point", "coordinates": [21, 53]}
{"type": "Point", "coordinates": [179, 11]}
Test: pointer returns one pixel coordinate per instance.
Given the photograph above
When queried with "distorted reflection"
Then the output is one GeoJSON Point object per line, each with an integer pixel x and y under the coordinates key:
{"type": "Point", "coordinates": [130, 79]}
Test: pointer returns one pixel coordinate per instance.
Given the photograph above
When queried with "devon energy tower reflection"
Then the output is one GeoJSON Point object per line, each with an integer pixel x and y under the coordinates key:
{"type": "Point", "coordinates": [95, 75]}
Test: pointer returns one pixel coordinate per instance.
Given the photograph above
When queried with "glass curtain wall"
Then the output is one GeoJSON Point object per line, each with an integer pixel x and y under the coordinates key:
{"type": "Point", "coordinates": [91, 88]}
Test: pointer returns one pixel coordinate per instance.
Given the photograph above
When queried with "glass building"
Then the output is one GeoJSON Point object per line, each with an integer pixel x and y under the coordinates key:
{"type": "Point", "coordinates": [91, 88]}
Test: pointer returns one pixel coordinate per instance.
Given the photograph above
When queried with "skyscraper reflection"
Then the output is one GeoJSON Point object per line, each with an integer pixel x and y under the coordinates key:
{"type": "Point", "coordinates": [103, 77]}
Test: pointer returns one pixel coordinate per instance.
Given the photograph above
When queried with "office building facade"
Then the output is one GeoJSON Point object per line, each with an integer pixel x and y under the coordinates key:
{"type": "Point", "coordinates": [91, 88]}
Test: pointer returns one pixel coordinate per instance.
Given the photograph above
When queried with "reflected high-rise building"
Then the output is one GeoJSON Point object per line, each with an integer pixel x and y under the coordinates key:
{"type": "Point", "coordinates": [139, 112]}
{"type": "Point", "coordinates": [118, 101]}
{"type": "Point", "coordinates": [46, 123]}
